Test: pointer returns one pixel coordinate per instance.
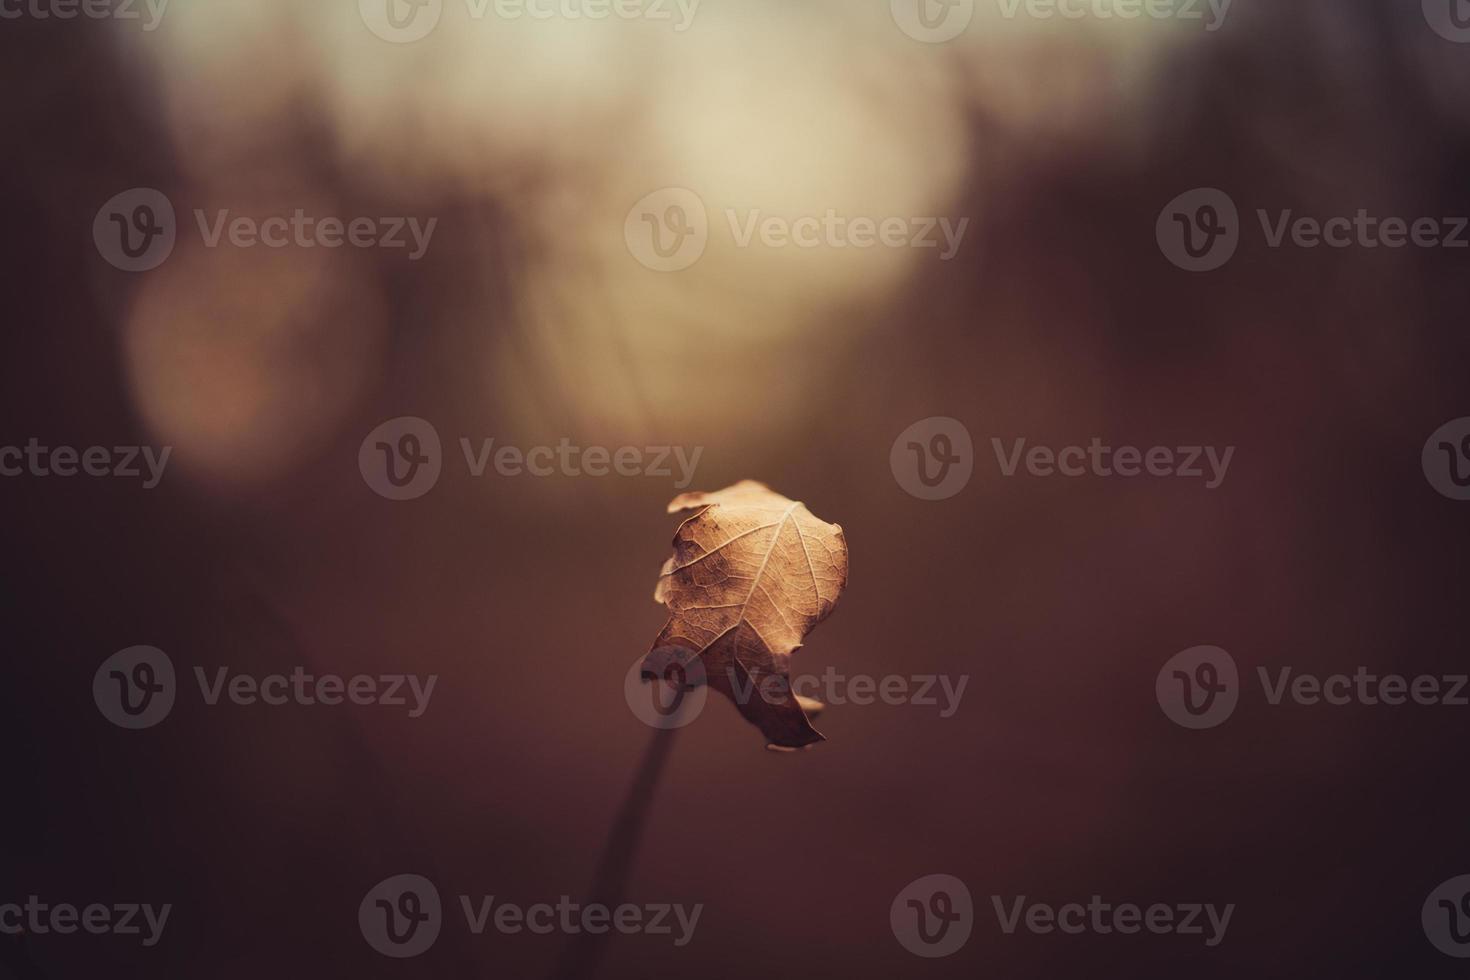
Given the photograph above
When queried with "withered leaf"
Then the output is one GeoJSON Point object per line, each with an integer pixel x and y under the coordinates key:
{"type": "Point", "coordinates": [752, 573]}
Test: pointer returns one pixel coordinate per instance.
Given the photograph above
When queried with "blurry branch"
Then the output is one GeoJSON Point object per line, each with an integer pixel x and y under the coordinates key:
{"type": "Point", "coordinates": [579, 961]}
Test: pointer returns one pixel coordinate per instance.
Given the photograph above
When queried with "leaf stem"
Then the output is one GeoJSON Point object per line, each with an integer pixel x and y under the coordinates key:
{"type": "Point", "coordinates": [580, 959]}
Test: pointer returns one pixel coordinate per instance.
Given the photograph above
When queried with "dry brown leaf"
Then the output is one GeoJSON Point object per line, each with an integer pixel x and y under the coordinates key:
{"type": "Point", "coordinates": [752, 573]}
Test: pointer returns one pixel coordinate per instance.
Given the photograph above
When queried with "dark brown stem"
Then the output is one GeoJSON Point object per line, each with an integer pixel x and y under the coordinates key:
{"type": "Point", "coordinates": [579, 961]}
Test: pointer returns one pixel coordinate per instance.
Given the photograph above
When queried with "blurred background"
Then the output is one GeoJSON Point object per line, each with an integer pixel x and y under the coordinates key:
{"type": "Point", "coordinates": [529, 321]}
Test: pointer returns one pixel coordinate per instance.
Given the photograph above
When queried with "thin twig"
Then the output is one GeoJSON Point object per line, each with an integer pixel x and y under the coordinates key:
{"type": "Point", "coordinates": [579, 961]}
